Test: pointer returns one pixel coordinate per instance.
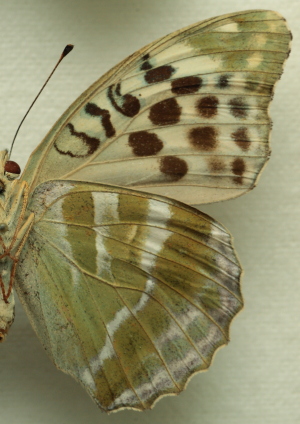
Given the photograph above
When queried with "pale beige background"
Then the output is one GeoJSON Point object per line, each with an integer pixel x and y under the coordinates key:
{"type": "Point", "coordinates": [256, 379]}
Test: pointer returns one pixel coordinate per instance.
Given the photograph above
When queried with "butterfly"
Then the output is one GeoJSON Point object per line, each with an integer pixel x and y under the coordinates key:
{"type": "Point", "coordinates": [129, 289]}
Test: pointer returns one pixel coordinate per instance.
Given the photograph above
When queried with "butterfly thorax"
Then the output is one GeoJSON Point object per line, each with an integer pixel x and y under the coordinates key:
{"type": "Point", "coordinates": [14, 229]}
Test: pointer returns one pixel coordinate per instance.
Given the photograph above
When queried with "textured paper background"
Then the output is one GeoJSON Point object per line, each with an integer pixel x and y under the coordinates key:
{"type": "Point", "coordinates": [256, 378]}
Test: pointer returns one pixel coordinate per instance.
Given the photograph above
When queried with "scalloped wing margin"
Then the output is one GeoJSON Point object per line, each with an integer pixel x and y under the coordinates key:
{"type": "Point", "coordinates": [130, 294]}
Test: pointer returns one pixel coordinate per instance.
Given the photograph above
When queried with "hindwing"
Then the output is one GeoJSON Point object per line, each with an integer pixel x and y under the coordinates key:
{"type": "Point", "coordinates": [130, 294]}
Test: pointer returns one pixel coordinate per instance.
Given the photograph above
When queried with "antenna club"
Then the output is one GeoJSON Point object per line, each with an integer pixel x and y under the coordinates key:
{"type": "Point", "coordinates": [67, 50]}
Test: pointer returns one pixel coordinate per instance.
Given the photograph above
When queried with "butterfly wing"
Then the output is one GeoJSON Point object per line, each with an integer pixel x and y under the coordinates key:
{"type": "Point", "coordinates": [144, 293]}
{"type": "Point", "coordinates": [185, 117]}
{"type": "Point", "coordinates": [146, 287]}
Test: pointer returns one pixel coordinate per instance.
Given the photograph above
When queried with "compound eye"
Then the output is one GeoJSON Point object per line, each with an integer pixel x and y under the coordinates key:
{"type": "Point", "coordinates": [12, 169]}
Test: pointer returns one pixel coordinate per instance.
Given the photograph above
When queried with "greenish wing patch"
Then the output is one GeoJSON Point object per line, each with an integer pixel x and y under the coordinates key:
{"type": "Point", "coordinates": [130, 294]}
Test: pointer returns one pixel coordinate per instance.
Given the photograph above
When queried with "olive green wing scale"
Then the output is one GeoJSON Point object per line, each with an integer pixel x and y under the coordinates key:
{"type": "Point", "coordinates": [129, 293]}
{"type": "Point", "coordinates": [185, 117]}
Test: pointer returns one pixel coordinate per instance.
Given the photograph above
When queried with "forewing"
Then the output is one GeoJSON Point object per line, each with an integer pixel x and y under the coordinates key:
{"type": "Point", "coordinates": [130, 294]}
{"type": "Point", "coordinates": [185, 117]}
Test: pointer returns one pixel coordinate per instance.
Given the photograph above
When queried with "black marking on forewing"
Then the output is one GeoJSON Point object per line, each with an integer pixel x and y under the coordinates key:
{"type": "Point", "coordinates": [223, 81]}
{"type": "Point", "coordinates": [126, 104]}
{"type": "Point", "coordinates": [94, 110]}
{"type": "Point", "coordinates": [146, 65]}
{"type": "Point", "coordinates": [173, 167]}
{"type": "Point", "coordinates": [162, 73]}
{"type": "Point", "coordinates": [91, 142]}
{"type": "Point", "coordinates": [144, 143]}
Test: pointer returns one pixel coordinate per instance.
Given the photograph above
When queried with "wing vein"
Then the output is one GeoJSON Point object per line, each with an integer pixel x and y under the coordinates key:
{"type": "Point", "coordinates": [177, 322]}
{"type": "Point", "coordinates": [110, 285]}
{"type": "Point", "coordinates": [72, 224]}
{"type": "Point", "coordinates": [73, 326]}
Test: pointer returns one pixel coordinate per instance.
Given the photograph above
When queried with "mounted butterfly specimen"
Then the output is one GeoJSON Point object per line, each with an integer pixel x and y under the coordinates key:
{"type": "Point", "coordinates": [130, 292]}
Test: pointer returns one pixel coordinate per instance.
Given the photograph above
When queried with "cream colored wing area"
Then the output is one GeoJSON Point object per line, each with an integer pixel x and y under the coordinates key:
{"type": "Point", "coordinates": [129, 294]}
{"type": "Point", "coordinates": [185, 117]}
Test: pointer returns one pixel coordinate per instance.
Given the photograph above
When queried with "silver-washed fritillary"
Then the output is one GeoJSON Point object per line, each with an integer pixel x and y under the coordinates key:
{"type": "Point", "coordinates": [130, 292]}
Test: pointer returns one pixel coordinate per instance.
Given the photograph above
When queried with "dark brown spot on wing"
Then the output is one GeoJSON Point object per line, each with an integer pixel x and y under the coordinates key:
{"type": "Point", "coordinates": [144, 143]}
{"type": "Point", "coordinates": [92, 143]}
{"type": "Point", "coordinates": [208, 106]}
{"type": "Point", "coordinates": [241, 138]}
{"type": "Point", "coordinates": [238, 180]}
{"type": "Point", "coordinates": [166, 112]}
{"type": "Point", "coordinates": [126, 104]}
{"type": "Point", "coordinates": [173, 167]}
{"type": "Point", "coordinates": [238, 167]}
{"type": "Point", "coordinates": [93, 110]}
{"type": "Point", "coordinates": [159, 74]}
{"type": "Point", "coordinates": [223, 81]}
{"type": "Point", "coordinates": [146, 64]}
{"type": "Point", "coordinates": [104, 114]}
{"type": "Point", "coordinates": [251, 85]}
{"type": "Point", "coordinates": [186, 85]}
{"type": "Point", "coordinates": [216, 165]}
{"type": "Point", "coordinates": [203, 138]}
{"type": "Point", "coordinates": [131, 106]}
{"type": "Point", "coordinates": [238, 107]}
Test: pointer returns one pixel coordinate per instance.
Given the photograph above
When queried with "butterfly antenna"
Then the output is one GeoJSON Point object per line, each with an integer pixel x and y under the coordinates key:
{"type": "Point", "coordinates": [66, 51]}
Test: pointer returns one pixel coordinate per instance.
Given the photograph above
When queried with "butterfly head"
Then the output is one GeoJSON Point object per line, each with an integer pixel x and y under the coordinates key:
{"type": "Point", "coordinates": [12, 170]}
{"type": "Point", "coordinates": [9, 171]}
